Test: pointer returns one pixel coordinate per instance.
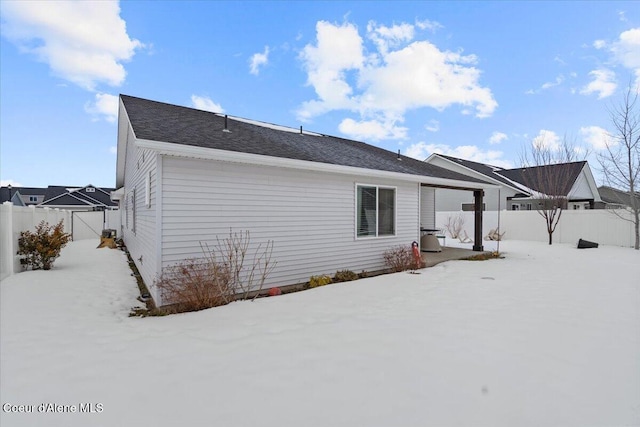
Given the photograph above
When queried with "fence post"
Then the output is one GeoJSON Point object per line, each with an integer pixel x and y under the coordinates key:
{"type": "Point", "coordinates": [8, 249]}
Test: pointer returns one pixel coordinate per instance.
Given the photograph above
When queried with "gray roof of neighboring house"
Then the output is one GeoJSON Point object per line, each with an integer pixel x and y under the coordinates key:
{"type": "Point", "coordinates": [57, 195]}
{"type": "Point", "coordinates": [484, 169]}
{"type": "Point", "coordinates": [547, 179]}
{"type": "Point", "coordinates": [157, 121]}
{"type": "Point", "coordinates": [613, 195]}
{"type": "Point", "coordinates": [530, 177]}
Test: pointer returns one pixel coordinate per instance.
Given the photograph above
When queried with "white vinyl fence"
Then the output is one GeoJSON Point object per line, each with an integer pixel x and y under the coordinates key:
{"type": "Point", "coordinates": [89, 225]}
{"type": "Point", "coordinates": [14, 219]}
{"type": "Point", "coordinates": [602, 226]}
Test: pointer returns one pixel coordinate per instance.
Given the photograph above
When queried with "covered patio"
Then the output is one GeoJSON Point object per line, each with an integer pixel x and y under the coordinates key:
{"type": "Point", "coordinates": [449, 253]}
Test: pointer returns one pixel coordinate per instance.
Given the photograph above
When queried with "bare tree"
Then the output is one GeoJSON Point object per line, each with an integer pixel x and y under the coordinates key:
{"type": "Point", "coordinates": [620, 161]}
{"type": "Point", "coordinates": [549, 171]}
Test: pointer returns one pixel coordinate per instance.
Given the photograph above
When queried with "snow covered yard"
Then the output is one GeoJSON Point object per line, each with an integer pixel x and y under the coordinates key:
{"type": "Point", "coordinates": [547, 336]}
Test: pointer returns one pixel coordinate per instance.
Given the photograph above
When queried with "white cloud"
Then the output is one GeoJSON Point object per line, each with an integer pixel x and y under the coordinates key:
{"type": "Point", "coordinates": [385, 37]}
{"type": "Point", "coordinates": [622, 16]}
{"type": "Point", "coordinates": [422, 150]}
{"type": "Point", "coordinates": [258, 60]}
{"type": "Point", "coordinates": [88, 52]}
{"type": "Point", "coordinates": [597, 137]}
{"type": "Point", "coordinates": [205, 103]}
{"type": "Point", "coordinates": [432, 126]}
{"type": "Point", "coordinates": [497, 138]}
{"type": "Point", "coordinates": [627, 51]}
{"type": "Point", "coordinates": [374, 130]}
{"type": "Point", "coordinates": [603, 83]}
{"type": "Point", "coordinates": [428, 25]}
{"type": "Point", "coordinates": [104, 106]}
{"type": "Point", "coordinates": [7, 182]}
{"type": "Point", "coordinates": [394, 75]}
{"type": "Point", "coordinates": [547, 85]}
{"type": "Point", "coordinates": [599, 44]}
{"type": "Point", "coordinates": [546, 140]}
{"type": "Point", "coordinates": [338, 50]}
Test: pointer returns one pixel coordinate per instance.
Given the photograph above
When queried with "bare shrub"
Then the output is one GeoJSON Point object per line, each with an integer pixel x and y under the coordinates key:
{"type": "Point", "coordinates": [227, 272]}
{"type": "Point", "coordinates": [195, 284]}
{"type": "Point", "coordinates": [455, 225]}
{"type": "Point", "coordinates": [399, 258]}
{"type": "Point", "coordinates": [247, 271]}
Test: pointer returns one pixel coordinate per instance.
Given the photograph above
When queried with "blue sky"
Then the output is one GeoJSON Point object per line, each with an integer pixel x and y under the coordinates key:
{"type": "Point", "coordinates": [477, 80]}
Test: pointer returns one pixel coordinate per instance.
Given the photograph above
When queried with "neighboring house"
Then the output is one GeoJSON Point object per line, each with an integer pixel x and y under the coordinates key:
{"type": "Point", "coordinates": [612, 198]}
{"type": "Point", "coordinates": [87, 198]}
{"type": "Point", "coordinates": [186, 176]}
{"type": "Point", "coordinates": [515, 191]}
{"type": "Point", "coordinates": [22, 196]}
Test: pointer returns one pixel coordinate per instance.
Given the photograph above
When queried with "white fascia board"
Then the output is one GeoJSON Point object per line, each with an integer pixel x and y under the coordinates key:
{"type": "Point", "coordinates": [123, 127]}
{"type": "Point", "coordinates": [117, 195]}
{"type": "Point", "coordinates": [180, 150]}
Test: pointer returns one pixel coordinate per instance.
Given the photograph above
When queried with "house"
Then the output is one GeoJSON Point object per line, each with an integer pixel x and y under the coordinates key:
{"type": "Point", "coordinates": [22, 196]}
{"type": "Point", "coordinates": [519, 188]}
{"type": "Point", "coordinates": [612, 198]}
{"type": "Point", "coordinates": [87, 198]}
{"type": "Point", "coordinates": [186, 177]}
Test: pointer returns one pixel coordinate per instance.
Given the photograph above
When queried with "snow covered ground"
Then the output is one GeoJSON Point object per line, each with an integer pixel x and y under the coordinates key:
{"type": "Point", "coordinates": [547, 336]}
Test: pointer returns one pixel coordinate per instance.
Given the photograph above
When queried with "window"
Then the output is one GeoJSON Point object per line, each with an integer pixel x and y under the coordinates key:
{"type": "Point", "coordinates": [147, 190]}
{"type": "Point", "coordinates": [515, 207]}
{"type": "Point", "coordinates": [33, 198]}
{"type": "Point", "coordinates": [91, 190]}
{"type": "Point", "coordinates": [375, 211]}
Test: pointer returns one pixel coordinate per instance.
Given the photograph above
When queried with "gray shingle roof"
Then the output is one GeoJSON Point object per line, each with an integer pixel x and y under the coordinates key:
{"type": "Point", "coordinates": [487, 170]}
{"type": "Point", "coordinates": [567, 171]}
{"type": "Point", "coordinates": [547, 179]}
{"type": "Point", "coordinates": [157, 121]}
{"type": "Point", "coordinates": [615, 196]}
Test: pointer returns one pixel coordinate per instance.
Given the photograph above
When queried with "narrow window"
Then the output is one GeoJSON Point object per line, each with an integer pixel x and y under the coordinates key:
{"type": "Point", "coordinates": [133, 211]}
{"type": "Point", "coordinates": [147, 190]}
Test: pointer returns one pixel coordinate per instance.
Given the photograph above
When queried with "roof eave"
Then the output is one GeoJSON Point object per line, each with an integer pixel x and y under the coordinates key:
{"type": "Point", "coordinates": [475, 172]}
{"type": "Point", "coordinates": [179, 150]}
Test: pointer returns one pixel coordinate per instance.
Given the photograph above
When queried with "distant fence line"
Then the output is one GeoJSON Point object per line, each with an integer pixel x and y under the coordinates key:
{"type": "Point", "coordinates": [598, 225]}
{"type": "Point", "coordinates": [14, 219]}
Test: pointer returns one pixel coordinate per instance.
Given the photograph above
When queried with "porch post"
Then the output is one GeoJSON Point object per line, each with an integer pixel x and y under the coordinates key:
{"type": "Point", "coordinates": [477, 235]}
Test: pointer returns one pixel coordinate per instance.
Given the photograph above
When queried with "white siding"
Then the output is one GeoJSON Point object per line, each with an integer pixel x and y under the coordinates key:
{"type": "Point", "coordinates": [310, 216]}
{"type": "Point", "coordinates": [581, 188]}
{"type": "Point", "coordinates": [427, 207]}
{"type": "Point", "coordinates": [140, 243]}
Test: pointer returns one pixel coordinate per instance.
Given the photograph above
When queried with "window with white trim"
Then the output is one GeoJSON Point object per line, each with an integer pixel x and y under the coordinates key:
{"type": "Point", "coordinates": [375, 211]}
{"type": "Point", "coordinates": [147, 190]}
{"type": "Point", "coordinates": [91, 190]}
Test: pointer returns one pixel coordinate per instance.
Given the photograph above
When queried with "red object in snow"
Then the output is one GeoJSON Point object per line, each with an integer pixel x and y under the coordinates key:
{"type": "Point", "coordinates": [274, 291]}
{"type": "Point", "coordinates": [416, 254]}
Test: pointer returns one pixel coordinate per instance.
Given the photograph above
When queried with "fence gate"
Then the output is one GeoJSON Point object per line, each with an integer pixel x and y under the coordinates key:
{"type": "Point", "coordinates": [87, 225]}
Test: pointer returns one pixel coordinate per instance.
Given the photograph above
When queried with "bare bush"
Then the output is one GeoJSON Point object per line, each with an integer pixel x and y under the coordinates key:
{"type": "Point", "coordinates": [195, 284]}
{"type": "Point", "coordinates": [247, 271]}
{"type": "Point", "coordinates": [227, 272]}
{"type": "Point", "coordinates": [455, 225]}
{"type": "Point", "coordinates": [400, 258]}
